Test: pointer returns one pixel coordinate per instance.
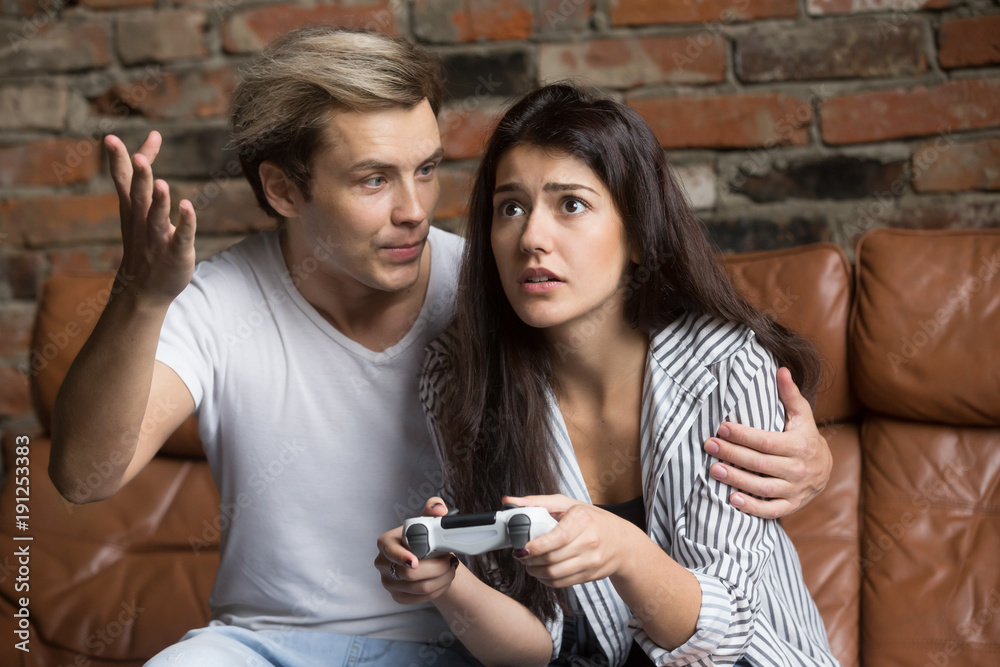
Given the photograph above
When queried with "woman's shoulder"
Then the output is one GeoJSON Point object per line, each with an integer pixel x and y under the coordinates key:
{"type": "Point", "coordinates": [436, 370]}
{"type": "Point", "coordinates": [705, 338]}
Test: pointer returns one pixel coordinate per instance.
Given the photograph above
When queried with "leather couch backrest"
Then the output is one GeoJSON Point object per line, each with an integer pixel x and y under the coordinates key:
{"type": "Point", "coordinates": [925, 338]}
{"type": "Point", "coordinates": [926, 325]}
{"type": "Point", "coordinates": [68, 310]}
{"type": "Point", "coordinates": [807, 289]}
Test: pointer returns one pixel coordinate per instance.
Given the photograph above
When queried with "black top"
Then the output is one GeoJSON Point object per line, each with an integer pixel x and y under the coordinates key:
{"type": "Point", "coordinates": [633, 511]}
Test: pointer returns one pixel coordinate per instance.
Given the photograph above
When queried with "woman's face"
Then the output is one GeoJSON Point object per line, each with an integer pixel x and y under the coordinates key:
{"type": "Point", "coordinates": [557, 238]}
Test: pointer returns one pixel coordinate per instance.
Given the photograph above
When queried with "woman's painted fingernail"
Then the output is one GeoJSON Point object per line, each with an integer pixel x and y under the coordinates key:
{"type": "Point", "coordinates": [521, 553]}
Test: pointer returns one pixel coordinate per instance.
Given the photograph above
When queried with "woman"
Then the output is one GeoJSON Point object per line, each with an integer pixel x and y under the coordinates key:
{"type": "Point", "coordinates": [597, 344]}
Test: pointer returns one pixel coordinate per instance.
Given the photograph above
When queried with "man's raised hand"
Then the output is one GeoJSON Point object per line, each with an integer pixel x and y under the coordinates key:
{"type": "Point", "coordinates": [158, 257]}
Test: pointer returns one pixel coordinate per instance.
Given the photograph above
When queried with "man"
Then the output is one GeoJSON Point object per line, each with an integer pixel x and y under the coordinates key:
{"type": "Point", "coordinates": [337, 134]}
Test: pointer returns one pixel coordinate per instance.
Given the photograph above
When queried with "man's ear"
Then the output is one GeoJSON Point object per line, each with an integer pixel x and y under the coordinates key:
{"type": "Point", "coordinates": [281, 193]}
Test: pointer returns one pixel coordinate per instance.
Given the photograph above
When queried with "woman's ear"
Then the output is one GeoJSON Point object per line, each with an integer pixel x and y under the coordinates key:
{"type": "Point", "coordinates": [281, 193]}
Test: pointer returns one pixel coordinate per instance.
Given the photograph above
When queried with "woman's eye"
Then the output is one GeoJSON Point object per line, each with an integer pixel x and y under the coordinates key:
{"type": "Point", "coordinates": [573, 206]}
{"type": "Point", "coordinates": [510, 209]}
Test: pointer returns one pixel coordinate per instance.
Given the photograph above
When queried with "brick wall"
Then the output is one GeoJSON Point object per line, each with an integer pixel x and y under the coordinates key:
{"type": "Point", "coordinates": [790, 121]}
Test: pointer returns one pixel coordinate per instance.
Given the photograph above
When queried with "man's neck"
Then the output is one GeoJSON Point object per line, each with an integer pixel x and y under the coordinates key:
{"type": "Point", "coordinates": [375, 319]}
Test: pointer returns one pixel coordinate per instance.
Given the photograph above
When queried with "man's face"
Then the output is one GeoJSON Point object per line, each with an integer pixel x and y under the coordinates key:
{"type": "Point", "coordinates": [374, 188]}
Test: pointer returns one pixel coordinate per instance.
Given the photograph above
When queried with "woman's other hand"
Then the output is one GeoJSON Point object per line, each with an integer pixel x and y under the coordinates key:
{"type": "Point", "coordinates": [409, 580]}
{"type": "Point", "coordinates": [588, 544]}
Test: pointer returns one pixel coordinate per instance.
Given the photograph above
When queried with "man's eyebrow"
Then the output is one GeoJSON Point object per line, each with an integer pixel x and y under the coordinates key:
{"type": "Point", "coordinates": [377, 165]}
{"type": "Point", "coordinates": [548, 187]}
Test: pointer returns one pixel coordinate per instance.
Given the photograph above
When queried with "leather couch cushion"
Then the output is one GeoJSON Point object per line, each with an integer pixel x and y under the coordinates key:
{"type": "Point", "coordinates": [807, 289]}
{"type": "Point", "coordinates": [925, 325]}
{"type": "Point", "coordinates": [136, 568]}
{"type": "Point", "coordinates": [826, 534]}
{"type": "Point", "coordinates": [69, 308]}
{"type": "Point", "coordinates": [930, 591]}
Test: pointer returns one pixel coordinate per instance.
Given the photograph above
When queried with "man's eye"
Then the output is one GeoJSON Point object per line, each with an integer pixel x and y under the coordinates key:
{"type": "Point", "coordinates": [375, 181]}
{"type": "Point", "coordinates": [573, 206]}
{"type": "Point", "coordinates": [427, 170]}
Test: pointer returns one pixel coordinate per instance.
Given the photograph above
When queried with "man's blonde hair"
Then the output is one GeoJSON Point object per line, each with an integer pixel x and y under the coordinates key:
{"type": "Point", "coordinates": [282, 104]}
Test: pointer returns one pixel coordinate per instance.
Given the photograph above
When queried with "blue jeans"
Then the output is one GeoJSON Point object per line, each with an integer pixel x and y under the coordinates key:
{"type": "Point", "coordinates": [230, 646]}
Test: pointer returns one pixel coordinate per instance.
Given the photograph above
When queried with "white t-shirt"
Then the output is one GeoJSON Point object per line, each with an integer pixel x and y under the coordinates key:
{"type": "Point", "coordinates": [317, 444]}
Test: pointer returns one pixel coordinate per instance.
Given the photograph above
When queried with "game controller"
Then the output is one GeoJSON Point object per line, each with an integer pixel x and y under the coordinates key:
{"type": "Point", "coordinates": [472, 534]}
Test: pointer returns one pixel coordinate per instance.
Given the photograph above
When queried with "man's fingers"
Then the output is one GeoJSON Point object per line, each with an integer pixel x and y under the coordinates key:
{"type": "Point", "coordinates": [121, 166]}
{"type": "Point", "coordinates": [753, 438]}
{"type": "Point", "coordinates": [151, 146]}
{"type": "Point", "coordinates": [141, 189]}
{"type": "Point", "coordinates": [765, 509]}
{"type": "Point", "coordinates": [796, 406]}
{"type": "Point", "coordinates": [158, 219]}
{"type": "Point", "coordinates": [764, 487]}
{"type": "Point", "coordinates": [747, 457]}
{"type": "Point", "coordinates": [186, 226]}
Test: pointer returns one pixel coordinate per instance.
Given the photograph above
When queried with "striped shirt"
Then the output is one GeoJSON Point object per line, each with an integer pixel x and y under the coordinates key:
{"type": "Point", "coordinates": [701, 371]}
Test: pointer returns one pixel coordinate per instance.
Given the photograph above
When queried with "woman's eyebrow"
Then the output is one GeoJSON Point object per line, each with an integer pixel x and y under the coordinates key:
{"type": "Point", "coordinates": [562, 187]}
{"type": "Point", "coordinates": [548, 187]}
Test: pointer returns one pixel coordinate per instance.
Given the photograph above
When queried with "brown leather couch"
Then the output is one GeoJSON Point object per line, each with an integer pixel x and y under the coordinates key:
{"type": "Point", "coordinates": [901, 551]}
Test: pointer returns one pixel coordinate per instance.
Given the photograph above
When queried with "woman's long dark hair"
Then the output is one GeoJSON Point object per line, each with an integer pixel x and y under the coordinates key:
{"type": "Point", "coordinates": [494, 412]}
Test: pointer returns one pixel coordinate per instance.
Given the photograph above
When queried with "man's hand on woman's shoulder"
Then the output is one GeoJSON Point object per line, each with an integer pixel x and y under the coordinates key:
{"type": "Point", "coordinates": [777, 473]}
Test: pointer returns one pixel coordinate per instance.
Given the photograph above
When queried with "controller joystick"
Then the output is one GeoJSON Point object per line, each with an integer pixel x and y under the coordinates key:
{"type": "Point", "coordinates": [472, 534]}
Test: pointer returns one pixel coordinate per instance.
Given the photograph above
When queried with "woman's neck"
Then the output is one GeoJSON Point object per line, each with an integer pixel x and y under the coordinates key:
{"type": "Point", "coordinates": [596, 364]}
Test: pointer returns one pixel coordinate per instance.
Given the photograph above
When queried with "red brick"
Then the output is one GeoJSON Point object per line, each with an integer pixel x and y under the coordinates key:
{"type": "Point", "coordinates": [644, 12]}
{"type": "Point", "coordinates": [624, 63]}
{"type": "Point", "coordinates": [969, 42]}
{"type": "Point", "coordinates": [192, 94]}
{"type": "Point", "coordinates": [493, 20]}
{"type": "Point", "coordinates": [830, 51]}
{"type": "Point", "coordinates": [941, 166]}
{"type": "Point", "coordinates": [251, 29]}
{"type": "Point", "coordinates": [452, 21]}
{"type": "Point", "coordinates": [16, 322]}
{"type": "Point", "coordinates": [15, 396]}
{"type": "Point", "coordinates": [166, 35]}
{"type": "Point", "coordinates": [63, 220]}
{"type": "Point", "coordinates": [117, 4]}
{"type": "Point", "coordinates": [20, 275]}
{"type": "Point", "coordinates": [464, 131]}
{"type": "Point", "coordinates": [32, 107]}
{"type": "Point", "coordinates": [562, 15]}
{"type": "Point", "coordinates": [33, 7]}
{"type": "Point", "coordinates": [456, 186]}
{"type": "Point", "coordinates": [900, 8]}
{"type": "Point", "coordinates": [49, 162]}
{"type": "Point", "coordinates": [734, 121]}
{"type": "Point", "coordinates": [225, 205]}
{"type": "Point", "coordinates": [74, 43]}
{"type": "Point", "coordinates": [891, 114]}
{"type": "Point", "coordinates": [90, 258]}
